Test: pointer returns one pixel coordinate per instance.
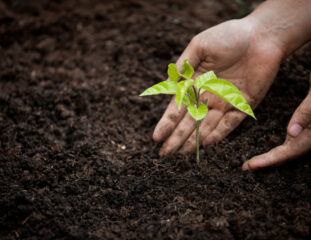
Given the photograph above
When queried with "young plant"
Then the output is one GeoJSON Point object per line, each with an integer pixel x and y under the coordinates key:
{"type": "Point", "coordinates": [188, 92]}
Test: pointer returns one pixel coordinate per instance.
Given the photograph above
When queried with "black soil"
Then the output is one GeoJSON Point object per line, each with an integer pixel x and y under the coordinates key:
{"type": "Point", "coordinates": [77, 158]}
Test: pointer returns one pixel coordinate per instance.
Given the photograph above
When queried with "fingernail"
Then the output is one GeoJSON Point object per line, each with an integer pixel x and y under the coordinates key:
{"type": "Point", "coordinates": [295, 130]}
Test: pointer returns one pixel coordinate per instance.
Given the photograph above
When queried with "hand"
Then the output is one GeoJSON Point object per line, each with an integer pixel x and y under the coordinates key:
{"type": "Point", "coordinates": [237, 54]}
{"type": "Point", "coordinates": [297, 143]}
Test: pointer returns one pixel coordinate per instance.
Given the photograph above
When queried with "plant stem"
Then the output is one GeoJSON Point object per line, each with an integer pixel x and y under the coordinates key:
{"type": "Point", "coordinates": [191, 98]}
{"type": "Point", "coordinates": [197, 140]}
{"type": "Point", "coordinates": [197, 96]}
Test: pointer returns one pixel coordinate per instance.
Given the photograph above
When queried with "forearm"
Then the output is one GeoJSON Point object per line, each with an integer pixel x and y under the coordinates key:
{"type": "Point", "coordinates": [287, 22]}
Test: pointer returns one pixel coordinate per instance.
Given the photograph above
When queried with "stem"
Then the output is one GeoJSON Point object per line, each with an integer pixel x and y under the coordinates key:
{"type": "Point", "coordinates": [191, 98]}
{"type": "Point", "coordinates": [197, 140]}
{"type": "Point", "coordinates": [197, 96]}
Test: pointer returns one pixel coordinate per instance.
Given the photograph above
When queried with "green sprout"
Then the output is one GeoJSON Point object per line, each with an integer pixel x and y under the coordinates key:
{"type": "Point", "coordinates": [188, 92]}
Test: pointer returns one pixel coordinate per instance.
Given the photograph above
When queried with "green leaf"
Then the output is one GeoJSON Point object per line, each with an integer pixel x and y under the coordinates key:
{"type": "Point", "coordinates": [188, 101]}
{"type": "Point", "coordinates": [173, 72]}
{"type": "Point", "coordinates": [191, 93]}
{"type": "Point", "coordinates": [187, 70]}
{"type": "Point", "coordinates": [198, 113]}
{"type": "Point", "coordinates": [202, 79]}
{"type": "Point", "coordinates": [165, 87]}
{"type": "Point", "coordinates": [182, 88]}
{"type": "Point", "coordinates": [228, 92]}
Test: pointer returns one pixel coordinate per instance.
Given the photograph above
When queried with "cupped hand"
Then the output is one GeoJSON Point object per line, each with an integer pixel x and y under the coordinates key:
{"type": "Point", "coordinates": [297, 143]}
{"type": "Point", "coordinates": [235, 52]}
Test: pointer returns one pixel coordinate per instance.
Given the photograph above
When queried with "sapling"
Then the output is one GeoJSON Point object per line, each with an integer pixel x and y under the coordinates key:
{"type": "Point", "coordinates": [188, 92]}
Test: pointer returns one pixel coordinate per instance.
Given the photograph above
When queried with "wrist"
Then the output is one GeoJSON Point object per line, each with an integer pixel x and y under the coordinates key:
{"type": "Point", "coordinates": [286, 24]}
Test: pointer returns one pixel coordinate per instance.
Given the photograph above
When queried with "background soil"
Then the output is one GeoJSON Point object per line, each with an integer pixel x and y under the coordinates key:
{"type": "Point", "coordinates": [77, 158]}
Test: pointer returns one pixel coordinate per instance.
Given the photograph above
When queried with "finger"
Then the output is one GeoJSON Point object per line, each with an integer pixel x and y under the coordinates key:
{"type": "Point", "coordinates": [297, 143]}
{"type": "Point", "coordinates": [192, 53]}
{"type": "Point", "coordinates": [291, 149]}
{"type": "Point", "coordinates": [226, 125]}
{"type": "Point", "coordinates": [216, 111]}
{"type": "Point", "coordinates": [172, 115]}
{"type": "Point", "coordinates": [208, 124]}
{"type": "Point", "coordinates": [301, 118]}
{"type": "Point", "coordinates": [169, 121]}
{"type": "Point", "coordinates": [179, 136]}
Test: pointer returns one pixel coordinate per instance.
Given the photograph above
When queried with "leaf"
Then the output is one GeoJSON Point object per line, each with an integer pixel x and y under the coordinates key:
{"type": "Point", "coordinates": [198, 113]}
{"type": "Point", "coordinates": [173, 72]}
{"type": "Point", "coordinates": [187, 70]}
{"type": "Point", "coordinates": [202, 79]}
{"type": "Point", "coordinates": [191, 93]}
{"type": "Point", "coordinates": [188, 101]}
{"type": "Point", "coordinates": [182, 88]}
{"type": "Point", "coordinates": [228, 92]}
{"type": "Point", "coordinates": [165, 87]}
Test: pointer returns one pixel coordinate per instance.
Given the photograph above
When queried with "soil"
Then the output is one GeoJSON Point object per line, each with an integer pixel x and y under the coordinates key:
{"type": "Point", "coordinates": [77, 158]}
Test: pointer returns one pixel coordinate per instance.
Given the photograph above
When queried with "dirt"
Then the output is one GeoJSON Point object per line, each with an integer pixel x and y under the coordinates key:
{"type": "Point", "coordinates": [77, 157]}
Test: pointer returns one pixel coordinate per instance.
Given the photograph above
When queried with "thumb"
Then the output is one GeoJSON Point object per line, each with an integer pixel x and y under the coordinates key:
{"type": "Point", "coordinates": [301, 117]}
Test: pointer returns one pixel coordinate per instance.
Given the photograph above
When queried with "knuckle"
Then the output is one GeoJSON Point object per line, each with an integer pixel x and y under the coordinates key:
{"type": "Point", "coordinates": [235, 120]}
{"type": "Point", "coordinates": [190, 141]}
{"type": "Point", "coordinates": [230, 122]}
{"type": "Point", "coordinates": [305, 114]}
{"type": "Point", "coordinates": [173, 117]}
{"type": "Point", "coordinates": [179, 132]}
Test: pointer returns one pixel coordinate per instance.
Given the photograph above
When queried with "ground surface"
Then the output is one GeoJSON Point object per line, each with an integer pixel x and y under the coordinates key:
{"type": "Point", "coordinates": [76, 156]}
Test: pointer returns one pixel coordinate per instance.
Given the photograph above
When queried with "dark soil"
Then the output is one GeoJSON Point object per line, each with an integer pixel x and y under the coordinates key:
{"type": "Point", "coordinates": [77, 158]}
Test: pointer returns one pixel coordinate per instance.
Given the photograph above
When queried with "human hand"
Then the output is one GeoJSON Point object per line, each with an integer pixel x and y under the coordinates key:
{"type": "Point", "coordinates": [297, 143]}
{"type": "Point", "coordinates": [236, 53]}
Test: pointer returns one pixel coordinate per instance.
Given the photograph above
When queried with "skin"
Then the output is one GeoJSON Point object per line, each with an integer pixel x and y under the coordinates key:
{"type": "Point", "coordinates": [247, 52]}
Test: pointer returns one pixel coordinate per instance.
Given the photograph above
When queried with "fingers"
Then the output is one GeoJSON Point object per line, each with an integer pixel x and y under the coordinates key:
{"type": "Point", "coordinates": [169, 121]}
{"type": "Point", "coordinates": [274, 157]}
{"type": "Point", "coordinates": [226, 125]}
{"type": "Point", "coordinates": [291, 149]}
{"type": "Point", "coordinates": [297, 143]}
{"type": "Point", "coordinates": [216, 126]}
{"type": "Point", "coordinates": [301, 118]}
{"type": "Point", "coordinates": [172, 116]}
{"type": "Point", "coordinates": [179, 135]}
{"type": "Point", "coordinates": [208, 124]}
{"type": "Point", "coordinates": [184, 128]}
{"type": "Point", "coordinates": [298, 140]}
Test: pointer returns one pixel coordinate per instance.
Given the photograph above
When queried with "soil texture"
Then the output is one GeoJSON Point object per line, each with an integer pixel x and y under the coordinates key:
{"type": "Point", "coordinates": [77, 160]}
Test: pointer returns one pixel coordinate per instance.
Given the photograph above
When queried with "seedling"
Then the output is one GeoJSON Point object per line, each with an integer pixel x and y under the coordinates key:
{"type": "Point", "coordinates": [188, 92]}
